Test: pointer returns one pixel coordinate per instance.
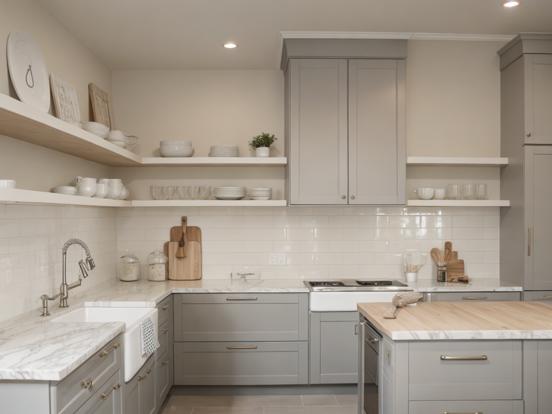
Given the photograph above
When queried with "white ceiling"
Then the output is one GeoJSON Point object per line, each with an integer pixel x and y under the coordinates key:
{"type": "Point", "coordinates": [168, 34]}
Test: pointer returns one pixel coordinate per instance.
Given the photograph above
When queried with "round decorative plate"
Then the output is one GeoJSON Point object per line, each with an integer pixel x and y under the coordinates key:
{"type": "Point", "coordinates": [28, 72]}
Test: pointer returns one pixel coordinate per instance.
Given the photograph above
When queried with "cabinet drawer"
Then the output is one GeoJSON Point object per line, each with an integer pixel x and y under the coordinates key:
{"type": "Point", "coordinates": [466, 407]}
{"type": "Point", "coordinates": [107, 399]}
{"type": "Point", "coordinates": [465, 370]}
{"type": "Point", "coordinates": [240, 363]}
{"type": "Point", "coordinates": [165, 310]}
{"type": "Point", "coordinates": [467, 296]}
{"type": "Point", "coordinates": [542, 295]}
{"type": "Point", "coordinates": [241, 317]}
{"type": "Point", "coordinates": [74, 390]}
{"type": "Point", "coordinates": [164, 340]}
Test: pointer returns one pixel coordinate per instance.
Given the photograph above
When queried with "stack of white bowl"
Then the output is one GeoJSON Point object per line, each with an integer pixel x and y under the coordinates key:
{"type": "Point", "coordinates": [259, 193]}
{"type": "Point", "coordinates": [118, 138]}
{"type": "Point", "coordinates": [96, 128]}
{"type": "Point", "coordinates": [224, 151]}
{"type": "Point", "coordinates": [176, 148]}
{"type": "Point", "coordinates": [229, 193]}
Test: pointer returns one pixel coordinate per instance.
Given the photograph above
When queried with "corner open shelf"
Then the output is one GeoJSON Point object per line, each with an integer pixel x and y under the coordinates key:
{"type": "Point", "coordinates": [458, 203]}
{"type": "Point", "coordinates": [23, 122]}
{"type": "Point", "coordinates": [41, 197]}
{"type": "Point", "coordinates": [214, 161]}
{"type": "Point", "coordinates": [209, 203]}
{"type": "Point", "coordinates": [459, 161]}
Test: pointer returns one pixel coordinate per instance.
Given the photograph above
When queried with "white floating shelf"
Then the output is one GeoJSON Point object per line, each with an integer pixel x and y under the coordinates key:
{"type": "Point", "coordinates": [459, 161]}
{"type": "Point", "coordinates": [209, 203]}
{"type": "Point", "coordinates": [458, 203]}
{"type": "Point", "coordinates": [214, 161]}
{"type": "Point", "coordinates": [23, 122]}
{"type": "Point", "coordinates": [40, 197]}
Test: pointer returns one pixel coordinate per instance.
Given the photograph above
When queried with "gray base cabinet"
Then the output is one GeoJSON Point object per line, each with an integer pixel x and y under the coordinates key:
{"type": "Point", "coordinates": [471, 407]}
{"type": "Point", "coordinates": [94, 387]}
{"type": "Point", "coordinates": [164, 362]}
{"type": "Point", "coordinates": [241, 339]}
{"type": "Point", "coordinates": [333, 347]}
{"type": "Point", "coordinates": [540, 296]}
{"type": "Point", "coordinates": [139, 392]}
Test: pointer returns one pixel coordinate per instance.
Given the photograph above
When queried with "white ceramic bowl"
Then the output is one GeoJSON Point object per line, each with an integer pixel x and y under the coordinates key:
{"type": "Point", "coordinates": [121, 144]}
{"type": "Point", "coordinates": [425, 193]}
{"type": "Point", "coordinates": [65, 189]}
{"type": "Point", "coordinates": [116, 135]}
{"type": "Point", "coordinates": [96, 128]}
{"type": "Point", "coordinates": [5, 184]}
{"type": "Point", "coordinates": [176, 149]}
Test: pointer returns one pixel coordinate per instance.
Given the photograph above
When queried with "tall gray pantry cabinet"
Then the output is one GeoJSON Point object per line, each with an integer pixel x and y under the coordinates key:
{"type": "Point", "coordinates": [345, 121]}
{"type": "Point", "coordinates": [526, 139]}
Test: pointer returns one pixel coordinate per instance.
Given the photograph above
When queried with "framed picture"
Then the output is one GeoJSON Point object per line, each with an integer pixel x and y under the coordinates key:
{"type": "Point", "coordinates": [101, 105]}
{"type": "Point", "coordinates": [66, 100]}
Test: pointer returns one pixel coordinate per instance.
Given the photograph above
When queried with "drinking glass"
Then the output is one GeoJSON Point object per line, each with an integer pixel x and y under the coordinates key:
{"type": "Point", "coordinates": [452, 192]}
{"type": "Point", "coordinates": [481, 191]}
{"type": "Point", "coordinates": [468, 191]}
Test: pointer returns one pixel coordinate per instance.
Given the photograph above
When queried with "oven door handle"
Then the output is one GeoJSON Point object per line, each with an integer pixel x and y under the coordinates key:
{"type": "Point", "coordinates": [361, 376]}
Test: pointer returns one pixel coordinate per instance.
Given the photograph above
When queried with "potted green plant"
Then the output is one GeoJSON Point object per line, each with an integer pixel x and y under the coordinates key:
{"type": "Point", "coordinates": [261, 144]}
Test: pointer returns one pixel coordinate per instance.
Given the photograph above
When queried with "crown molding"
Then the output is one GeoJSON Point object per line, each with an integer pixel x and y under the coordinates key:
{"type": "Point", "coordinates": [397, 35]}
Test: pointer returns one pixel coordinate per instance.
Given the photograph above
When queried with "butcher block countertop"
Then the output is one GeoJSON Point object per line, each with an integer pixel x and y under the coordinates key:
{"type": "Point", "coordinates": [463, 321]}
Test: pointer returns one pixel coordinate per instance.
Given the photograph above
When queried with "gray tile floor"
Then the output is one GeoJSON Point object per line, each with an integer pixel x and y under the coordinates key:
{"type": "Point", "coordinates": [261, 404]}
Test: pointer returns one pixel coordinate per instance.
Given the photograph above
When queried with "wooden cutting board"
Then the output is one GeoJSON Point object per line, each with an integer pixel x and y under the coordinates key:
{"type": "Point", "coordinates": [189, 267]}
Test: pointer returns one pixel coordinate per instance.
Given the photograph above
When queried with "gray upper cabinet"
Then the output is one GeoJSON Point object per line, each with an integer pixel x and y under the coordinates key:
{"type": "Point", "coordinates": [345, 116]}
{"type": "Point", "coordinates": [318, 131]}
{"type": "Point", "coordinates": [377, 155]}
{"type": "Point", "coordinates": [538, 98]}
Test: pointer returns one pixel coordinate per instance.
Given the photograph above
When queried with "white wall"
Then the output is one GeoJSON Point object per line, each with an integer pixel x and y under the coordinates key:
{"type": "Point", "coordinates": [31, 237]}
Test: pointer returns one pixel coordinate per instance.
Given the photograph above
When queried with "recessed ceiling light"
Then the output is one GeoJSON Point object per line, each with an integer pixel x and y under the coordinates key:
{"type": "Point", "coordinates": [230, 45]}
{"type": "Point", "coordinates": [510, 3]}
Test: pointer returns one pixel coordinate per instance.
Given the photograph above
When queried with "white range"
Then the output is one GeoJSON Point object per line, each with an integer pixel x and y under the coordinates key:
{"type": "Point", "coordinates": [344, 294]}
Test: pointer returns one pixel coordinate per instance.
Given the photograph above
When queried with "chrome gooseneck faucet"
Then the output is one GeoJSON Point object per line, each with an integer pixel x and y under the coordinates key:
{"type": "Point", "coordinates": [85, 266]}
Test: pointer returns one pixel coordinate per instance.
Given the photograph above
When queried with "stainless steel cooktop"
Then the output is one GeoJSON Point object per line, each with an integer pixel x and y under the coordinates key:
{"type": "Point", "coordinates": [355, 285]}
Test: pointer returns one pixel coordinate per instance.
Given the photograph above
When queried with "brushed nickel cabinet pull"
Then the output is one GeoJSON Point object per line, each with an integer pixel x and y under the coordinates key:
{"type": "Point", "coordinates": [464, 358]}
{"type": "Point", "coordinates": [104, 395]}
{"type": "Point", "coordinates": [357, 327]}
{"type": "Point", "coordinates": [107, 351]}
{"type": "Point", "coordinates": [241, 299]}
{"type": "Point", "coordinates": [471, 412]}
{"type": "Point", "coordinates": [475, 297]}
{"type": "Point", "coordinates": [529, 241]}
{"type": "Point", "coordinates": [87, 384]}
{"type": "Point", "coordinates": [241, 347]}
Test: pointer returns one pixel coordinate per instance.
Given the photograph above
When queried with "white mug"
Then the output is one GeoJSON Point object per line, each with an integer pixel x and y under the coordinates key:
{"type": "Point", "coordinates": [114, 188]}
{"type": "Point", "coordinates": [101, 190]}
{"type": "Point", "coordinates": [440, 193]}
{"type": "Point", "coordinates": [86, 186]}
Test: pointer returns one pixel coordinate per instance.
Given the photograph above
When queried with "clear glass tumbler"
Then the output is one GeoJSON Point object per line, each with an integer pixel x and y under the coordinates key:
{"type": "Point", "coordinates": [481, 191]}
{"type": "Point", "coordinates": [468, 191]}
{"type": "Point", "coordinates": [452, 192]}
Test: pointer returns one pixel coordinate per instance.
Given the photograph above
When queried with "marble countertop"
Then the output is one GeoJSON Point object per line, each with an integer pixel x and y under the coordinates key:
{"type": "Point", "coordinates": [462, 321]}
{"type": "Point", "coordinates": [476, 285]}
{"type": "Point", "coordinates": [36, 348]}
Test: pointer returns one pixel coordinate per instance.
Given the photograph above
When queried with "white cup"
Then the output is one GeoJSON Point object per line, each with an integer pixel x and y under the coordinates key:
{"type": "Point", "coordinates": [440, 193]}
{"type": "Point", "coordinates": [101, 190]}
{"type": "Point", "coordinates": [114, 188]}
{"type": "Point", "coordinates": [6, 184]}
{"type": "Point", "coordinates": [425, 193]}
{"type": "Point", "coordinates": [86, 186]}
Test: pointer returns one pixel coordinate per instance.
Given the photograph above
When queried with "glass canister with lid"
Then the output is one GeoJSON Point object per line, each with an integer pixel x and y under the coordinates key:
{"type": "Point", "coordinates": [157, 266]}
{"type": "Point", "coordinates": [128, 268]}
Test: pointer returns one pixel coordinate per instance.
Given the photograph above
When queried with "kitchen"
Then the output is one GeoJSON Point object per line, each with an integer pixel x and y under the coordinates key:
{"type": "Point", "coordinates": [389, 132]}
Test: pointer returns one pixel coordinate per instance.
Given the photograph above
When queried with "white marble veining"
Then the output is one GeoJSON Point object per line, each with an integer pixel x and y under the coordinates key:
{"type": "Point", "coordinates": [463, 321]}
{"type": "Point", "coordinates": [34, 348]}
{"type": "Point", "coordinates": [475, 285]}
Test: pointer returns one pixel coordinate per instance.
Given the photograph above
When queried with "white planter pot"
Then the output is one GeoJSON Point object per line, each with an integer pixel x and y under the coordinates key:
{"type": "Point", "coordinates": [262, 152]}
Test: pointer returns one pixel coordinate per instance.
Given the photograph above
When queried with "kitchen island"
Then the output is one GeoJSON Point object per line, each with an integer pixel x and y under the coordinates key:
{"type": "Point", "coordinates": [457, 357]}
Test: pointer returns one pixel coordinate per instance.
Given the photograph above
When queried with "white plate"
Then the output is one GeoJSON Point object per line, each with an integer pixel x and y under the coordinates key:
{"type": "Point", "coordinates": [228, 197]}
{"type": "Point", "coordinates": [28, 72]}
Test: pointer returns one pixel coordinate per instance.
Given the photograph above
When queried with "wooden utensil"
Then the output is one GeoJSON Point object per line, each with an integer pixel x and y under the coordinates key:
{"type": "Point", "coordinates": [181, 251]}
{"type": "Point", "coordinates": [437, 256]}
{"type": "Point", "coordinates": [448, 251]}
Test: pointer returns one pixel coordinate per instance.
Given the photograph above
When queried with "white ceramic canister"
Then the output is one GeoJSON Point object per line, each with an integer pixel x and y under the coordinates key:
{"type": "Point", "coordinates": [128, 268]}
{"type": "Point", "coordinates": [157, 266]}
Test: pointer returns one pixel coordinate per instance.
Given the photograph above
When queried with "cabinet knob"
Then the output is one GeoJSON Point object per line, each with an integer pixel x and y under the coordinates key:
{"type": "Point", "coordinates": [529, 135]}
{"type": "Point", "coordinates": [343, 197]}
{"type": "Point", "coordinates": [353, 197]}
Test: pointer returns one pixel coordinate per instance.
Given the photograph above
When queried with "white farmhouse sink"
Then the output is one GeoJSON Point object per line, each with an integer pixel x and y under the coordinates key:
{"type": "Point", "coordinates": [132, 318]}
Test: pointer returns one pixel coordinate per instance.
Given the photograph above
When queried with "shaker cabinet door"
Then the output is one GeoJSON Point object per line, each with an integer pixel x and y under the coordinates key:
{"type": "Point", "coordinates": [377, 153]}
{"type": "Point", "coordinates": [317, 116]}
{"type": "Point", "coordinates": [538, 98]}
{"type": "Point", "coordinates": [538, 210]}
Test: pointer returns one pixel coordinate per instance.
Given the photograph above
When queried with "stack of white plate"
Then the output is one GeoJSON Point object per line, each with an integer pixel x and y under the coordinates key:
{"type": "Point", "coordinates": [259, 193]}
{"type": "Point", "coordinates": [229, 193]}
{"type": "Point", "coordinates": [224, 151]}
